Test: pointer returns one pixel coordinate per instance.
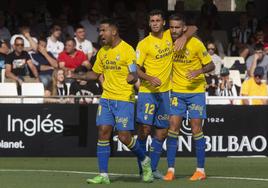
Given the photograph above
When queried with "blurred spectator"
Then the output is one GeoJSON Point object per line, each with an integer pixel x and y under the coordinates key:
{"type": "Point", "coordinates": [57, 87]}
{"type": "Point", "coordinates": [212, 84]}
{"type": "Point", "coordinates": [240, 38]}
{"type": "Point", "coordinates": [17, 64]}
{"type": "Point", "coordinates": [212, 50]}
{"type": "Point", "coordinates": [37, 26]}
{"type": "Point", "coordinates": [30, 43]}
{"type": "Point", "coordinates": [71, 58]}
{"type": "Point", "coordinates": [4, 50]}
{"type": "Point", "coordinates": [251, 15]}
{"type": "Point", "coordinates": [68, 12]}
{"type": "Point", "coordinates": [82, 43]}
{"type": "Point", "coordinates": [256, 38]}
{"type": "Point", "coordinates": [179, 7]}
{"type": "Point", "coordinates": [210, 30]}
{"type": "Point", "coordinates": [259, 37]}
{"type": "Point", "coordinates": [53, 44]}
{"type": "Point", "coordinates": [209, 14]}
{"type": "Point", "coordinates": [265, 48]}
{"type": "Point", "coordinates": [84, 88]}
{"type": "Point", "coordinates": [254, 87]}
{"type": "Point", "coordinates": [140, 15]}
{"type": "Point", "coordinates": [43, 15]}
{"type": "Point", "coordinates": [141, 24]}
{"type": "Point", "coordinates": [226, 86]}
{"type": "Point", "coordinates": [4, 32]}
{"type": "Point", "coordinates": [45, 62]}
{"type": "Point", "coordinates": [209, 9]}
{"type": "Point", "coordinates": [12, 17]}
{"type": "Point", "coordinates": [91, 25]}
{"type": "Point", "coordinates": [127, 27]}
{"type": "Point", "coordinates": [67, 29]}
{"type": "Point", "coordinates": [264, 27]}
{"type": "Point", "coordinates": [258, 59]}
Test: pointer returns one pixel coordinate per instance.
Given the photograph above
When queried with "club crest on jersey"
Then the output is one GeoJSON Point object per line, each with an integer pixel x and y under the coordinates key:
{"type": "Point", "coordinates": [168, 43]}
{"type": "Point", "coordinates": [145, 117]}
{"type": "Point", "coordinates": [156, 46]}
{"type": "Point", "coordinates": [117, 57]}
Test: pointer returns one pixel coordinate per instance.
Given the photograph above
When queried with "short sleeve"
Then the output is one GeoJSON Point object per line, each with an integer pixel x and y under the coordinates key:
{"type": "Point", "coordinates": [98, 65]}
{"type": "Point", "coordinates": [203, 53]}
{"type": "Point", "coordinates": [141, 53]}
{"type": "Point", "coordinates": [131, 57]}
{"type": "Point", "coordinates": [61, 57]}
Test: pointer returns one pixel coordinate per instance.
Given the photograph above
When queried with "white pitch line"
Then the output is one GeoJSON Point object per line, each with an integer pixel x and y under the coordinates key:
{"type": "Point", "coordinates": [125, 175]}
{"type": "Point", "coordinates": [238, 178]}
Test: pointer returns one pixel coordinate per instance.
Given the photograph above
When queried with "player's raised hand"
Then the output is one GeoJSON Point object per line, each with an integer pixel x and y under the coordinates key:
{"type": "Point", "coordinates": [193, 74]}
{"type": "Point", "coordinates": [180, 42]}
{"type": "Point", "coordinates": [154, 81]}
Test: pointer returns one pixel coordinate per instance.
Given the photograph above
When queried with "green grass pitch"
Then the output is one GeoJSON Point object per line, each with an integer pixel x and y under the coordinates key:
{"type": "Point", "coordinates": [73, 172]}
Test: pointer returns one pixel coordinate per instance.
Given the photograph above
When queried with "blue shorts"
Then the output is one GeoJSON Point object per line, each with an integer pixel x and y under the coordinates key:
{"type": "Point", "coordinates": [194, 103]}
{"type": "Point", "coordinates": [119, 114]}
{"type": "Point", "coordinates": [153, 109]}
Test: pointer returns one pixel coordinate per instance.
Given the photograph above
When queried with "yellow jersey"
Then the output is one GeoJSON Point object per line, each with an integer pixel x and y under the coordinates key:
{"type": "Point", "coordinates": [155, 54]}
{"type": "Point", "coordinates": [192, 57]}
{"type": "Point", "coordinates": [250, 88]}
{"type": "Point", "coordinates": [113, 64]}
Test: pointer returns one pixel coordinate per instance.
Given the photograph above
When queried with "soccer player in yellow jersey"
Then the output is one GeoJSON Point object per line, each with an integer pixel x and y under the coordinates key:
{"type": "Point", "coordinates": [116, 60]}
{"type": "Point", "coordinates": [154, 59]}
{"type": "Point", "coordinates": [188, 94]}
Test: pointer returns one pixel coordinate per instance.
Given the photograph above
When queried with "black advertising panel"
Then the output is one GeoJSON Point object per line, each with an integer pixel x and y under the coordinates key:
{"type": "Point", "coordinates": [47, 130]}
{"type": "Point", "coordinates": [229, 131]}
{"type": "Point", "coordinates": [70, 130]}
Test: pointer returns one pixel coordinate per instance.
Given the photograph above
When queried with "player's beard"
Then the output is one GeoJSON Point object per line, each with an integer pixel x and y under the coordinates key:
{"type": "Point", "coordinates": [175, 36]}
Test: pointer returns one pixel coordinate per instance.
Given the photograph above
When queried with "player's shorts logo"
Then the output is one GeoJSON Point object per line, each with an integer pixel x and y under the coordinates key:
{"type": "Point", "coordinates": [145, 117]}
{"type": "Point", "coordinates": [164, 117]}
{"type": "Point", "coordinates": [123, 120]}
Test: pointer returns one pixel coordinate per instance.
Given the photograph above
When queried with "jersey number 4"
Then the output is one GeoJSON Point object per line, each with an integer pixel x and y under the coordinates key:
{"type": "Point", "coordinates": [174, 101]}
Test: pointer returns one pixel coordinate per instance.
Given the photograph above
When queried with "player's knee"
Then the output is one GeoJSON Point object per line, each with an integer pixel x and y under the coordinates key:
{"type": "Point", "coordinates": [196, 129]}
{"type": "Point", "coordinates": [144, 132]}
{"type": "Point", "coordinates": [124, 138]}
{"type": "Point", "coordinates": [104, 133]}
{"type": "Point", "coordinates": [161, 134]}
{"type": "Point", "coordinates": [173, 125]}
{"type": "Point", "coordinates": [161, 137]}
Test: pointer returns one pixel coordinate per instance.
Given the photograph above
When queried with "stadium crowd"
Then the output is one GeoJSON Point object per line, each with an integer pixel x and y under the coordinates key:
{"type": "Point", "coordinates": [34, 47]}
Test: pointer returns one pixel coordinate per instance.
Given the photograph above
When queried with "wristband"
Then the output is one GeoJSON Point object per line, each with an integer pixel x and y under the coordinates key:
{"type": "Point", "coordinates": [132, 67]}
